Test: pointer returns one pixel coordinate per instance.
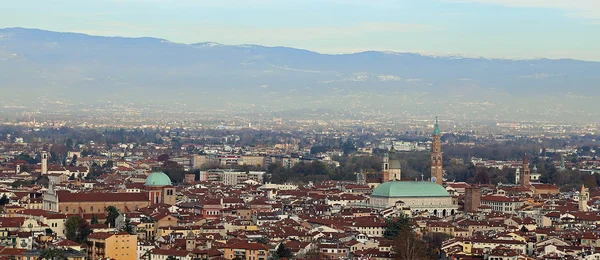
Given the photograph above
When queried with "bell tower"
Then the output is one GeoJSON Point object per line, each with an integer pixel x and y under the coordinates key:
{"type": "Point", "coordinates": [436, 155]}
{"type": "Point", "coordinates": [584, 196]}
{"type": "Point", "coordinates": [525, 173]}
{"type": "Point", "coordinates": [386, 162]}
{"type": "Point", "coordinates": [44, 169]}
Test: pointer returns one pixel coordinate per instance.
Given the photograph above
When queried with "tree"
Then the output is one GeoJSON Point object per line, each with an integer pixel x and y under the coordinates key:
{"type": "Point", "coordinates": [77, 229]}
{"type": "Point", "coordinates": [434, 242]}
{"type": "Point", "coordinates": [524, 229]}
{"type": "Point", "coordinates": [42, 180]}
{"type": "Point", "coordinates": [109, 164]}
{"type": "Point", "coordinates": [4, 200]}
{"type": "Point", "coordinates": [112, 214]}
{"type": "Point", "coordinates": [69, 143]}
{"type": "Point", "coordinates": [408, 246]}
{"type": "Point", "coordinates": [282, 252]}
{"type": "Point", "coordinates": [163, 158]}
{"type": "Point", "coordinates": [94, 219]}
{"type": "Point", "coordinates": [262, 240]}
{"type": "Point", "coordinates": [52, 254]}
{"type": "Point", "coordinates": [393, 227]}
{"type": "Point", "coordinates": [74, 160]}
{"type": "Point", "coordinates": [129, 227]}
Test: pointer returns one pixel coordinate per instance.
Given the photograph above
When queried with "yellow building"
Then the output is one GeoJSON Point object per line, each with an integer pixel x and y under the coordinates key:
{"type": "Point", "coordinates": [247, 251]}
{"type": "Point", "coordinates": [104, 245]}
{"type": "Point", "coordinates": [257, 161]}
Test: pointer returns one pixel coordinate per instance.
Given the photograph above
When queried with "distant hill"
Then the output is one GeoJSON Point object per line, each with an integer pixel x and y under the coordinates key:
{"type": "Point", "coordinates": [88, 68]}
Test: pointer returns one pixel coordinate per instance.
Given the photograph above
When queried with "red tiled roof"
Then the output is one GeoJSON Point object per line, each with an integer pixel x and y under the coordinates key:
{"type": "Point", "coordinates": [65, 196]}
{"type": "Point", "coordinates": [247, 246]}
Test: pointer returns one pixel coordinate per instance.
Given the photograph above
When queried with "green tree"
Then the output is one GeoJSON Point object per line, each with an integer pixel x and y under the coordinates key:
{"type": "Point", "coordinates": [282, 252]}
{"type": "Point", "coordinates": [393, 227]}
{"type": "Point", "coordinates": [112, 214]}
{"type": "Point", "coordinates": [77, 229]}
{"type": "Point", "coordinates": [69, 143]}
{"type": "Point", "coordinates": [262, 240]}
{"type": "Point", "coordinates": [42, 180]}
{"type": "Point", "coordinates": [109, 164]}
{"type": "Point", "coordinates": [52, 254]}
{"type": "Point", "coordinates": [129, 228]}
{"type": "Point", "coordinates": [4, 200]}
{"type": "Point", "coordinates": [94, 219]}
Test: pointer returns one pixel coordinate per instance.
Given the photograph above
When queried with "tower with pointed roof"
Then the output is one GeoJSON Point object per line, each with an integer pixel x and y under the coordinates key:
{"type": "Point", "coordinates": [584, 196]}
{"type": "Point", "coordinates": [436, 155]}
{"type": "Point", "coordinates": [525, 174]}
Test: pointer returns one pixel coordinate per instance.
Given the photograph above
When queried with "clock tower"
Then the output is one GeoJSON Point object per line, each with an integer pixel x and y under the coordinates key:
{"type": "Point", "coordinates": [436, 155]}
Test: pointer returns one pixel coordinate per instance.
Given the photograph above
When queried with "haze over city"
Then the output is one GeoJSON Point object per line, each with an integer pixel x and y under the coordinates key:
{"type": "Point", "coordinates": [299, 130]}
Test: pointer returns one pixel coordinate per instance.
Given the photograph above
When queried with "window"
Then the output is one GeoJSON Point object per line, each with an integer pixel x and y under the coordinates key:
{"type": "Point", "coordinates": [67, 208]}
{"type": "Point", "coordinates": [91, 208]}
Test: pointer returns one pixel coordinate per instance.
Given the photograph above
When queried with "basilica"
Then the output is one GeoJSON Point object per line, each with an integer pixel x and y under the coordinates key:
{"type": "Point", "coordinates": [419, 196]}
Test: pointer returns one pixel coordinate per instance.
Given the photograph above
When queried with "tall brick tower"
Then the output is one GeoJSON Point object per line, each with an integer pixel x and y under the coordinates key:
{"type": "Point", "coordinates": [472, 199]}
{"type": "Point", "coordinates": [436, 155]}
{"type": "Point", "coordinates": [525, 173]}
{"type": "Point", "coordinates": [584, 196]}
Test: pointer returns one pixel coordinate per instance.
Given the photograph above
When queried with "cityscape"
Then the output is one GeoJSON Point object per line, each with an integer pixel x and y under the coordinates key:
{"type": "Point", "coordinates": [409, 130]}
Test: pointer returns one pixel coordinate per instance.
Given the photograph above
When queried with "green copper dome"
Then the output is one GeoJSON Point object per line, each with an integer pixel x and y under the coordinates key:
{"type": "Point", "coordinates": [394, 189]}
{"type": "Point", "coordinates": [158, 179]}
{"type": "Point", "coordinates": [436, 128]}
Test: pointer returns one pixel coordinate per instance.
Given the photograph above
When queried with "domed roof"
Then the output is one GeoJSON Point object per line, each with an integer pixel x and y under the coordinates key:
{"type": "Point", "coordinates": [158, 179]}
{"type": "Point", "coordinates": [395, 189]}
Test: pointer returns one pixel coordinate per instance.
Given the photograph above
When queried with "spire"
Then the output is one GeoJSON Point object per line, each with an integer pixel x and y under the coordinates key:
{"type": "Point", "coordinates": [525, 161]}
{"type": "Point", "coordinates": [436, 127]}
{"type": "Point", "coordinates": [582, 189]}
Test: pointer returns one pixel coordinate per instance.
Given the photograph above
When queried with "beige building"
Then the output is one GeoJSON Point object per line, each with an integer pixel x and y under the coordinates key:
{"type": "Point", "coordinates": [103, 245]}
{"type": "Point", "coordinates": [257, 161]}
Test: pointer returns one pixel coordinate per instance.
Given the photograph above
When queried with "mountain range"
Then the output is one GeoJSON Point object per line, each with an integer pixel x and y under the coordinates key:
{"type": "Point", "coordinates": [78, 67]}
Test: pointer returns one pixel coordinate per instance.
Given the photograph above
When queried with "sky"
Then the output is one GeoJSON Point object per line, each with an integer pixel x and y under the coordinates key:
{"type": "Point", "coordinates": [516, 29]}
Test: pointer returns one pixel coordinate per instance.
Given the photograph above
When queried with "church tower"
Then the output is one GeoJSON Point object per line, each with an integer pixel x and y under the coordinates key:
{"type": "Point", "coordinates": [436, 155]}
{"type": "Point", "coordinates": [391, 166]}
{"type": "Point", "coordinates": [525, 173]}
{"type": "Point", "coordinates": [386, 162]}
{"type": "Point", "coordinates": [44, 169]}
{"type": "Point", "coordinates": [584, 196]}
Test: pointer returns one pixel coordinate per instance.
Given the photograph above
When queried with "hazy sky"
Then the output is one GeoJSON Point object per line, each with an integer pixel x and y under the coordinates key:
{"type": "Point", "coordinates": [489, 28]}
